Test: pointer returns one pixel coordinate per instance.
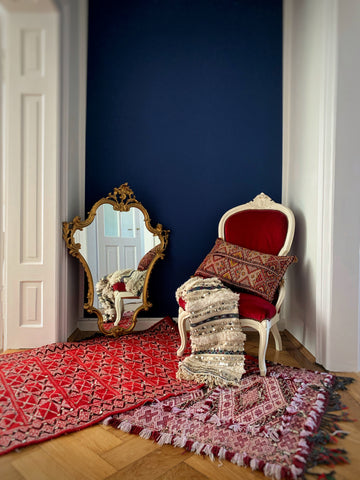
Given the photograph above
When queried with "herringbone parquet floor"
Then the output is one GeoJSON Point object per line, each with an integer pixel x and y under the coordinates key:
{"type": "Point", "coordinates": [103, 453]}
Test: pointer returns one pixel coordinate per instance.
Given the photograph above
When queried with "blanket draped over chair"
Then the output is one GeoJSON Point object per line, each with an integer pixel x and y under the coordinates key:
{"type": "Point", "coordinates": [217, 340]}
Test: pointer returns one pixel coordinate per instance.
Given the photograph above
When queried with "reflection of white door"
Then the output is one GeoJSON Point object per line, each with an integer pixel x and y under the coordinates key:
{"type": "Point", "coordinates": [119, 239]}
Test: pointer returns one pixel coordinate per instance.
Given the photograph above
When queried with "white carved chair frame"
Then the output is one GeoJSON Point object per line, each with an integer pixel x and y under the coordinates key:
{"type": "Point", "coordinates": [260, 202]}
{"type": "Point", "coordinates": [119, 303]}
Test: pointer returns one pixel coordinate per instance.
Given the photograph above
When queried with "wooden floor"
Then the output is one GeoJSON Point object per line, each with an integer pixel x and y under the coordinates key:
{"type": "Point", "coordinates": [101, 452]}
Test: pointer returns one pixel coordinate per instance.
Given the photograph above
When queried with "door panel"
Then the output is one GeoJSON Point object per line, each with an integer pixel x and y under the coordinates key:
{"type": "Point", "coordinates": [32, 231]}
{"type": "Point", "coordinates": [119, 239]}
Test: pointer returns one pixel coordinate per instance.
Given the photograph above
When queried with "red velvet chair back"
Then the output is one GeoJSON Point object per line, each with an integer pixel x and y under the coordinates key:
{"type": "Point", "coordinates": [261, 230]}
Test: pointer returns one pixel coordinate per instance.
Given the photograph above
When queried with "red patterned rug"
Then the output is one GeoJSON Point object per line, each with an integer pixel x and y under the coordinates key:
{"type": "Point", "coordinates": [125, 322]}
{"type": "Point", "coordinates": [63, 387]}
{"type": "Point", "coordinates": [278, 424]}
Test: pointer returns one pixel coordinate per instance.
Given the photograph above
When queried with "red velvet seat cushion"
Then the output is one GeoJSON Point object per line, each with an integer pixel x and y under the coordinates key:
{"type": "Point", "coordinates": [250, 306]}
{"type": "Point", "coordinates": [257, 308]}
{"type": "Point", "coordinates": [182, 303]}
{"type": "Point", "coordinates": [119, 286]}
{"type": "Point", "coordinates": [261, 230]}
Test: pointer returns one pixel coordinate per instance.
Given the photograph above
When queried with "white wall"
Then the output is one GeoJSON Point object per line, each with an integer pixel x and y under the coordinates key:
{"type": "Point", "coordinates": [74, 17]}
{"type": "Point", "coordinates": [320, 171]}
{"type": "Point", "coordinates": [303, 37]}
{"type": "Point", "coordinates": [343, 338]}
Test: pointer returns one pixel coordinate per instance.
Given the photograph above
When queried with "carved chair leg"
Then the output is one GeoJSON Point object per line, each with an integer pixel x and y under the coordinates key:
{"type": "Point", "coordinates": [277, 337]}
{"type": "Point", "coordinates": [182, 330]}
{"type": "Point", "coordinates": [264, 331]}
{"type": "Point", "coordinates": [119, 307]}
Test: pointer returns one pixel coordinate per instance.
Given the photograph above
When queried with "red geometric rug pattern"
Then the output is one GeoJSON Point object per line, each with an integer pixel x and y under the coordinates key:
{"type": "Point", "coordinates": [125, 322]}
{"type": "Point", "coordinates": [62, 387]}
{"type": "Point", "coordinates": [275, 424]}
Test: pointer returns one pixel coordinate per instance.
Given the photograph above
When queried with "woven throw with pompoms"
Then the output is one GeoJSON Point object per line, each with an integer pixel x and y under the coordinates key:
{"type": "Point", "coordinates": [217, 340]}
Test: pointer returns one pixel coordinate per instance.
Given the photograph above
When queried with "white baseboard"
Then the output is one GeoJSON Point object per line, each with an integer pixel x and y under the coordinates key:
{"type": "Point", "coordinates": [90, 324]}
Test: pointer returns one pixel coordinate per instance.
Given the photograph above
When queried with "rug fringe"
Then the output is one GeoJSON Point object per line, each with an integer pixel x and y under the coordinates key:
{"type": "Point", "coordinates": [320, 431]}
{"type": "Point", "coordinates": [324, 476]}
{"type": "Point", "coordinates": [145, 433]}
{"type": "Point", "coordinates": [329, 431]}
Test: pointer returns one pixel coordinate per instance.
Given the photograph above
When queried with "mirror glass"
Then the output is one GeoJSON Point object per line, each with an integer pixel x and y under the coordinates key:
{"type": "Point", "coordinates": [117, 246]}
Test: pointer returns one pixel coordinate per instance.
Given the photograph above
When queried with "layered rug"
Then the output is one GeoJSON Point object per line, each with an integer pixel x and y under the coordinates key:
{"type": "Point", "coordinates": [279, 424]}
{"type": "Point", "coordinates": [59, 388]}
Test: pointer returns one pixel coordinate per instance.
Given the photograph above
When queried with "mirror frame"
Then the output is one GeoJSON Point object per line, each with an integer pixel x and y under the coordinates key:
{"type": "Point", "coordinates": [122, 199]}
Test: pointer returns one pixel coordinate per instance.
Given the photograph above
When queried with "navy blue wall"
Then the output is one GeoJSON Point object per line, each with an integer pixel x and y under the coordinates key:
{"type": "Point", "coordinates": [184, 104]}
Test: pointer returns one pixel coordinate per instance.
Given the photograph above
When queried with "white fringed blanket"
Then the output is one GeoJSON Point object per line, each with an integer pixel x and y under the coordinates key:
{"type": "Point", "coordinates": [217, 340]}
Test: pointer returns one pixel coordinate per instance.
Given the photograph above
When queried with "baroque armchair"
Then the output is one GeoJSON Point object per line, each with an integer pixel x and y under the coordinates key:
{"type": "Point", "coordinates": [124, 285]}
{"type": "Point", "coordinates": [250, 256]}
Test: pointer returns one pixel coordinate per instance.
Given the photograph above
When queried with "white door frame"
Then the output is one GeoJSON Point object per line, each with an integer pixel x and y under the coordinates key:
{"type": "Point", "coordinates": [74, 35]}
{"type": "Point", "coordinates": [2, 175]}
{"type": "Point", "coordinates": [70, 147]}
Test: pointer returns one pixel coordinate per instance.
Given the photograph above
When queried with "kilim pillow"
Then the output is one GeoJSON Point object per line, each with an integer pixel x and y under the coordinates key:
{"type": "Point", "coordinates": [252, 271]}
{"type": "Point", "coordinates": [147, 258]}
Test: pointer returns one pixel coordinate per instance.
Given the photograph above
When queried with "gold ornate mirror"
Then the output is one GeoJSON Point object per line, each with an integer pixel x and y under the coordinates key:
{"type": "Point", "coordinates": [118, 247]}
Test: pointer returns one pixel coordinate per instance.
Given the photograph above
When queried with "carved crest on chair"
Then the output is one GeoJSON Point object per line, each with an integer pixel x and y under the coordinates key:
{"type": "Point", "coordinates": [261, 201]}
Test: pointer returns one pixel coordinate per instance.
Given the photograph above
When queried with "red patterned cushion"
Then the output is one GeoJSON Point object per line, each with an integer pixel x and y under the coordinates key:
{"type": "Point", "coordinates": [147, 258]}
{"type": "Point", "coordinates": [252, 271]}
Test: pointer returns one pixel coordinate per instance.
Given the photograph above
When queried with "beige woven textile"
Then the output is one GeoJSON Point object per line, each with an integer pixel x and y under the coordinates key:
{"type": "Point", "coordinates": [217, 340]}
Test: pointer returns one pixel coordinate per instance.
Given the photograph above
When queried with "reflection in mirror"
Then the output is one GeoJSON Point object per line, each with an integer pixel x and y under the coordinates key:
{"type": "Point", "coordinates": [117, 247]}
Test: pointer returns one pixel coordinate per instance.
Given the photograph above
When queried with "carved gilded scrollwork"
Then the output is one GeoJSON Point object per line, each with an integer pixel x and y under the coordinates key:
{"type": "Point", "coordinates": [122, 199]}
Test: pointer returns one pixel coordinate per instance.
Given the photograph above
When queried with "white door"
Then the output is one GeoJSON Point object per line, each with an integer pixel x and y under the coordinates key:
{"type": "Point", "coordinates": [32, 227]}
{"type": "Point", "coordinates": [120, 244]}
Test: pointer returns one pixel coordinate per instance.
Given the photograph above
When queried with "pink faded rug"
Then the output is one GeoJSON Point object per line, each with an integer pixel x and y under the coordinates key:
{"type": "Point", "coordinates": [278, 424]}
